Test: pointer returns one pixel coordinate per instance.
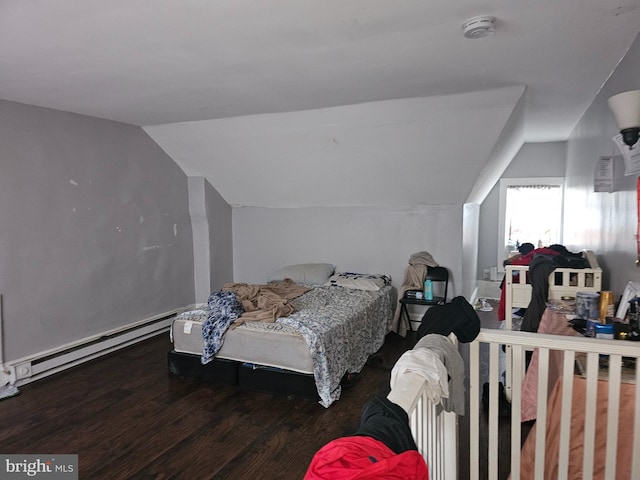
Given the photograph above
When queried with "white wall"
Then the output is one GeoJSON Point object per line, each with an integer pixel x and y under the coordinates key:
{"type": "Point", "coordinates": [220, 218]}
{"type": "Point", "coordinates": [201, 240]}
{"type": "Point", "coordinates": [212, 238]}
{"type": "Point", "coordinates": [95, 228]}
{"type": "Point", "coordinates": [394, 153]}
{"type": "Point", "coordinates": [603, 222]}
{"type": "Point", "coordinates": [361, 239]}
{"type": "Point", "coordinates": [471, 230]}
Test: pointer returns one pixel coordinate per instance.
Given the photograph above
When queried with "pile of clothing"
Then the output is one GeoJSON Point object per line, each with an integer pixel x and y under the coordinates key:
{"type": "Point", "coordinates": [414, 276]}
{"type": "Point", "coordinates": [382, 448]}
{"type": "Point", "coordinates": [542, 262]}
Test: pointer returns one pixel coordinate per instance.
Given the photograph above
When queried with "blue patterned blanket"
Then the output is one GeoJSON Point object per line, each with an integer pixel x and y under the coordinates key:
{"type": "Point", "coordinates": [342, 328]}
{"type": "Point", "coordinates": [224, 309]}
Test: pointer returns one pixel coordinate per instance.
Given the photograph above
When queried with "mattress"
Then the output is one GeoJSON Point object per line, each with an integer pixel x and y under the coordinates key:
{"type": "Point", "coordinates": [269, 344]}
{"type": "Point", "coordinates": [333, 331]}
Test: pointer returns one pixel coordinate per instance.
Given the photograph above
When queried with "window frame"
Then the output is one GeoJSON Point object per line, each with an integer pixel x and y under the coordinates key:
{"type": "Point", "coordinates": [525, 181]}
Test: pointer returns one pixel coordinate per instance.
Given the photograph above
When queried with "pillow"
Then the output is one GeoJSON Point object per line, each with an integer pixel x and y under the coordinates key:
{"type": "Point", "coordinates": [359, 281]}
{"type": "Point", "coordinates": [305, 273]}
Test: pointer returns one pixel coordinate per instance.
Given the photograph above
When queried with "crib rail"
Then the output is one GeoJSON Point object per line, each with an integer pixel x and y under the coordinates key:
{"type": "Point", "coordinates": [434, 431]}
{"type": "Point", "coordinates": [562, 282]}
{"type": "Point", "coordinates": [541, 460]}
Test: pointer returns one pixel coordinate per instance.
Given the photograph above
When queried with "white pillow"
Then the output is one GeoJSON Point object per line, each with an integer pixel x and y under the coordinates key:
{"type": "Point", "coordinates": [359, 281]}
{"type": "Point", "coordinates": [305, 273]}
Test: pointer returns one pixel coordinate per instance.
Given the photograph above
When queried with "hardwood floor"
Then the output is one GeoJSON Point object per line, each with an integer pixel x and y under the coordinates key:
{"type": "Point", "coordinates": [127, 418]}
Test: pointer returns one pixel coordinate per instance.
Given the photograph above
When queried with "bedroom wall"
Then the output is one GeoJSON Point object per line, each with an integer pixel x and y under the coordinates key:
{"type": "Point", "coordinates": [361, 239]}
{"type": "Point", "coordinates": [532, 160]}
{"type": "Point", "coordinates": [201, 240]}
{"type": "Point", "coordinates": [212, 239]}
{"type": "Point", "coordinates": [603, 222]}
{"type": "Point", "coordinates": [220, 234]}
{"type": "Point", "coordinates": [95, 228]}
{"type": "Point", "coordinates": [470, 233]}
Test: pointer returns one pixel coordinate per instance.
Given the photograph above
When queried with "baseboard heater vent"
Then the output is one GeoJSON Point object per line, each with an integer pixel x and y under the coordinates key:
{"type": "Point", "coordinates": [47, 363]}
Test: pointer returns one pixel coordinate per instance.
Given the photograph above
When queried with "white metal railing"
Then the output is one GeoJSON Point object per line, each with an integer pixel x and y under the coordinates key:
{"type": "Point", "coordinates": [435, 432]}
{"type": "Point", "coordinates": [437, 435]}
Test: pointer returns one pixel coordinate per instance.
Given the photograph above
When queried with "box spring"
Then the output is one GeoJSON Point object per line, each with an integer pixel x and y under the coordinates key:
{"type": "Point", "coordinates": [246, 376]}
{"type": "Point", "coordinates": [272, 380]}
{"type": "Point", "coordinates": [189, 366]}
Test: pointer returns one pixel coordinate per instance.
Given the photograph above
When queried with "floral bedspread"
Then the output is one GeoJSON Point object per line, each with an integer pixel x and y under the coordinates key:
{"type": "Point", "coordinates": [342, 327]}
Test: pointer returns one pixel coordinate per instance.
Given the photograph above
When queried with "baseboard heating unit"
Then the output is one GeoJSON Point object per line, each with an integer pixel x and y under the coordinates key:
{"type": "Point", "coordinates": [24, 370]}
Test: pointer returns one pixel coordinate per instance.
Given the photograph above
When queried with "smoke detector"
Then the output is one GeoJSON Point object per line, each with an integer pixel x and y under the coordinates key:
{"type": "Point", "coordinates": [479, 27]}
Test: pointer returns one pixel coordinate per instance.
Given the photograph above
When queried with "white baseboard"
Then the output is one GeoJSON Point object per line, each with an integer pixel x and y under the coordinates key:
{"type": "Point", "coordinates": [27, 369]}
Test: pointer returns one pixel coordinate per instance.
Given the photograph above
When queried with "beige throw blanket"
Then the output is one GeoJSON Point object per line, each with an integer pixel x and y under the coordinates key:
{"type": "Point", "coordinates": [414, 276]}
{"type": "Point", "coordinates": [265, 303]}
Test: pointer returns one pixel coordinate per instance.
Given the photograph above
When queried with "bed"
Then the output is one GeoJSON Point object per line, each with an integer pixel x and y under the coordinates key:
{"type": "Point", "coordinates": [562, 282]}
{"type": "Point", "coordinates": [336, 325]}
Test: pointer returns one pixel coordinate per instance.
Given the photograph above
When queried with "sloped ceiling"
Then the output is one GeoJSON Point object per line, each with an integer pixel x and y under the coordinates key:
{"type": "Point", "coordinates": [379, 97]}
{"type": "Point", "coordinates": [395, 152]}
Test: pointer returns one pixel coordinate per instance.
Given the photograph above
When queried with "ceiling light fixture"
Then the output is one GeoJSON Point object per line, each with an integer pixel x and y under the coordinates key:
{"type": "Point", "coordinates": [479, 27]}
{"type": "Point", "coordinates": [626, 108]}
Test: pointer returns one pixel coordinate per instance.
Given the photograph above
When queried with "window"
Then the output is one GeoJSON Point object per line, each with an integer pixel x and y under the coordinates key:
{"type": "Point", "coordinates": [530, 211]}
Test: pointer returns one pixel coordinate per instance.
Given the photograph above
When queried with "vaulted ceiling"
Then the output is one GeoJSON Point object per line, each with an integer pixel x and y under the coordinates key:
{"type": "Point", "coordinates": [293, 103]}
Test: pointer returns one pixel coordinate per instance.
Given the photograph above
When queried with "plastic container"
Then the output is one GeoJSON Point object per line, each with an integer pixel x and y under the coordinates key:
{"type": "Point", "coordinates": [590, 330]}
{"type": "Point", "coordinates": [428, 290]}
{"type": "Point", "coordinates": [588, 305]}
{"type": "Point", "coordinates": [604, 330]}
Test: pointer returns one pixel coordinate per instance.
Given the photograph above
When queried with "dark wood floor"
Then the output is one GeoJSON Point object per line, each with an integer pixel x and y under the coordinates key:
{"type": "Point", "coordinates": [126, 417]}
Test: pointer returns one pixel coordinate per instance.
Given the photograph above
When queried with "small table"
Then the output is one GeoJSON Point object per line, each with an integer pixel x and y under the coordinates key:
{"type": "Point", "coordinates": [406, 300]}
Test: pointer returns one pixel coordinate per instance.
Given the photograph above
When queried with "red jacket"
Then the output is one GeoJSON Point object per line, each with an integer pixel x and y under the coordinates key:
{"type": "Point", "coordinates": [359, 458]}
